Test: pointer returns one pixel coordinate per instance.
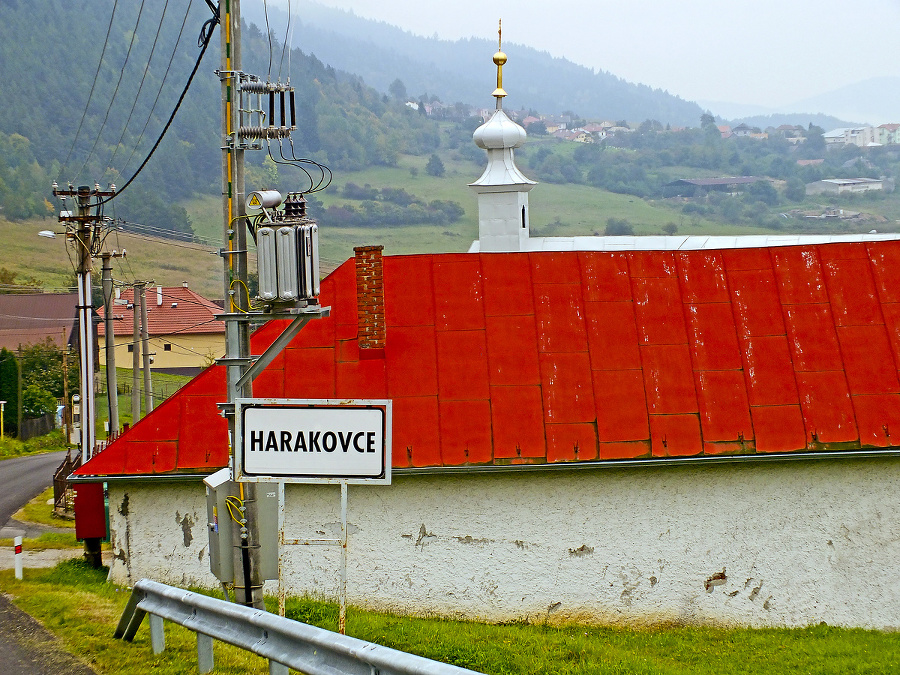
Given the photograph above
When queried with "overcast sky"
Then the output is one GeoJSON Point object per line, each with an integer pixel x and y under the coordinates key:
{"type": "Point", "coordinates": [767, 52]}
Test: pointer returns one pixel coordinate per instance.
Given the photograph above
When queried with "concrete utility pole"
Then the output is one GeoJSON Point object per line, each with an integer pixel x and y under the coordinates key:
{"type": "Point", "coordinates": [145, 353]}
{"type": "Point", "coordinates": [111, 385]}
{"type": "Point", "coordinates": [82, 229]}
{"type": "Point", "coordinates": [136, 352]}
{"type": "Point", "coordinates": [247, 581]}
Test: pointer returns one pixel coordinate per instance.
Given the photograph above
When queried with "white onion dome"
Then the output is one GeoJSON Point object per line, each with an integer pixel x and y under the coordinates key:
{"type": "Point", "coordinates": [499, 133]}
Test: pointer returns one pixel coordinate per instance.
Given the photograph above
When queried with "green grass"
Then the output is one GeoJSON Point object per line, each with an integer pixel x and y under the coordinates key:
{"type": "Point", "coordinates": [40, 510]}
{"type": "Point", "coordinates": [13, 447]}
{"type": "Point", "coordinates": [77, 604]}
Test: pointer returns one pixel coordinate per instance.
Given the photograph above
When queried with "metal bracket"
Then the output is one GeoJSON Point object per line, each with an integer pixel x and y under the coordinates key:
{"type": "Point", "coordinates": [274, 349]}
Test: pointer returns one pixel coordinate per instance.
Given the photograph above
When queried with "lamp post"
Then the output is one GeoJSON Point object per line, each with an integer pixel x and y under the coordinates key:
{"type": "Point", "coordinates": [2, 409]}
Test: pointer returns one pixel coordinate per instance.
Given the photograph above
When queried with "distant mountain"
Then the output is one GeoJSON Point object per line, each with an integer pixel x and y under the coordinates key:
{"type": "Point", "coordinates": [827, 122]}
{"type": "Point", "coordinates": [874, 101]}
{"type": "Point", "coordinates": [461, 70]}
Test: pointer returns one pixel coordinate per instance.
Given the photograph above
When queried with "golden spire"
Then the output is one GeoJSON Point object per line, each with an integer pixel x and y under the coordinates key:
{"type": "Point", "coordinates": [499, 60]}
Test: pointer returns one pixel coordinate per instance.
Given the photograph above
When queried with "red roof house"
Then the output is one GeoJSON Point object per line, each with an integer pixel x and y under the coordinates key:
{"type": "Point", "coordinates": [573, 357]}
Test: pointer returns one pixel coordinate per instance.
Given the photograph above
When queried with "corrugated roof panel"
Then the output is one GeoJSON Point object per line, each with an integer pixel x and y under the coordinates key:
{"type": "Point", "coordinates": [868, 360]}
{"type": "Point", "coordinates": [462, 365]}
{"type": "Point", "coordinates": [625, 450]}
{"type": "Point", "coordinates": [621, 406]}
{"type": "Point", "coordinates": [559, 314]}
{"type": "Point", "coordinates": [885, 259]}
{"type": "Point", "coordinates": [612, 335]}
{"type": "Point", "coordinates": [652, 265]}
{"type": "Point", "coordinates": [512, 350]}
{"type": "Point", "coordinates": [659, 311]}
{"type": "Point", "coordinates": [844, 251]}
{"type": "Point", "coordinates": [740, 259]}
{"type": "Point", "coordinates": [778, 428]}
{"type": "Point", "coordinates": [878, 419]}
{"type": "Point", "coordinates": [518, 422]}
{"type": "Point", "coordinates": [507, 284]}
{"type": "Point", "coordinates": [408, 291]}
{"type": "Point", "coordinates": [458, 295]}
{"type": "Point", "coordinates": [343, 305]}
{"type": "Point", "coordinates": [309, 373]}
{"type": "Point", "coordinates": [724, 408]}
{"type": "Point", "coordinates": [702, 277]}
{"type": "Point", "coordinates": [416, 433]}
{"type": "Point", "coordinates": [812, 338]}
{"type": "Point", "coordinates": [713, 337]}
{"type": "Point", "coordinates": [669, 379]}
{"type": "Point", "coordinates": [555, 268]}
{"type": "Point", "coordinates": [605, 277]}
{"type": "Point", "coordinates": [851, 289]}
{"type": "Point", "coordinates": [361, 379]}
{"type": "Point", "coordinates": [769, 371]}
{"type": "Point", "coordinates": [799, 275]}
{"type": "Point", "coordinates": [567, 387]}
{"type": "Point", "coordinates": [891, 312]}
{"type": "Point", "coordinates": [827, 409]}
{"type": "Point", "coordinates": [411, 361]}
{"type": "Point", "coordinates": [757, 306]}
{"type": "Point", "coordinates": [465, 428]}
{"type": "Point", "coordinates": [202, 441]}
{"type": "Point", "coordinates": [675, 435]}
{"type": "Point", "coordinates": [141, 458]}
{"type": "Point", "coordinates": [571, 442]}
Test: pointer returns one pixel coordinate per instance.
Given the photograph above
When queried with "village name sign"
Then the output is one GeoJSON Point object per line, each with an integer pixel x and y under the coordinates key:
{"type": "Point", "coordinates": [313, 441]}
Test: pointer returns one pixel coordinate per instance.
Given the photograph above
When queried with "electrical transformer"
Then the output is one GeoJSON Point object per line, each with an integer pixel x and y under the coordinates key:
{"type": "Point", "coordinates": [287, 247]}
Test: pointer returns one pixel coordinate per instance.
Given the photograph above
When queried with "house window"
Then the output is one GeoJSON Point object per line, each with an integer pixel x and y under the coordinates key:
{"type": "Point", "coordinates": [130, 348]}
{"type": "Point", "coordinates": [167, 347]}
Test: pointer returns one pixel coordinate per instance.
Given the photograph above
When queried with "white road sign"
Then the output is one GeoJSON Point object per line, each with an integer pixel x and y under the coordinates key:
{"type": "Point", "coordinates": [313, 441]}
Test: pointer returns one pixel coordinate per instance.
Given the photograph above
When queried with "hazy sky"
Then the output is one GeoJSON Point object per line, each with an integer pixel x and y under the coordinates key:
{"type": "Point", "coordinates": [766, 52]}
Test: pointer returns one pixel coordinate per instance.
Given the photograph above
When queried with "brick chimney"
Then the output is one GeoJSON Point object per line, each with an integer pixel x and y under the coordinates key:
{"type": "Point", "coordinates": [370, 301]}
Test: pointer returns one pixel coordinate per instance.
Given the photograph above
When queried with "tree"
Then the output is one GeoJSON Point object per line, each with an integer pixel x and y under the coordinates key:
{"type": "Point", "coordinates": [795, 190]}
{"type": "Point", "coordinates": [435, 166]}
{"type": "Point", "coordinates": [37, 402]}
{"type": "Point", "coordinates": [617, 227]}
{"type": "Point", "coordinates": [398, 90]}
{"type": "Point", "coordinates": [670, 228]}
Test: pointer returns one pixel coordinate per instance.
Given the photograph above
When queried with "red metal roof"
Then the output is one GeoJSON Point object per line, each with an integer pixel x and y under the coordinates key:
{"type": "Point", "coordinates": [29, 318]}
{"type": "Point", "coordinates": [516, 358]}
{"type": "Point", "coordinates": [172, 310]}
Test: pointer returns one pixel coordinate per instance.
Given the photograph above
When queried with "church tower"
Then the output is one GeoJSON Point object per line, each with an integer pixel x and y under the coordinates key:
{"type": "Point", "coordinates": [503, 218]}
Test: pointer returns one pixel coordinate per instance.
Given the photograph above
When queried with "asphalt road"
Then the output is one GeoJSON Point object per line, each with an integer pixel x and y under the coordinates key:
{"type": "Point", "coordinates": [22, 478]}
{"type": "Point", "coordinates": [25, 646]}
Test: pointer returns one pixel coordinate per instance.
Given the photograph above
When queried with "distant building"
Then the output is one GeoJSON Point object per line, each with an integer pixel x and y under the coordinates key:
{"type": "Point", "coordinates": [29, 318]}
{"type": "Point", "coordinates": [888, 134]}
{"type": "Point", "coordinates": [839, 186]}
{"type": "Point", "coordinates": [690, 187]}
{"type": "Point", "coordinates": [184, 334]}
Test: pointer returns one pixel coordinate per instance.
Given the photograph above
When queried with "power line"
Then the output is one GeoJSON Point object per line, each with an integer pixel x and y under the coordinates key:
{"type": "Point", "coordinates": [93, 84]}
{"type": "Point", "coordinates": [115, 91]}
{"type": "Point", "coordinates": [141, 85]}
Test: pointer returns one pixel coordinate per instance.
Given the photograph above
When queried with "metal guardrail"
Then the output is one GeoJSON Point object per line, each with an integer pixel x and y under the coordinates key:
{"type": "Point", "coordinates": [284, 642]}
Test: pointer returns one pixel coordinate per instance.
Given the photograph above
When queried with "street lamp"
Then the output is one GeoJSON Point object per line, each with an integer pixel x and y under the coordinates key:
{"type": "Point", "coordinates": [2, 408]}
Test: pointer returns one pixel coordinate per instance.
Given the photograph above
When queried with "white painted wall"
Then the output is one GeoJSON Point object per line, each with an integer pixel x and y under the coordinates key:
{"type": "Point", "coordinates": [792, 543]}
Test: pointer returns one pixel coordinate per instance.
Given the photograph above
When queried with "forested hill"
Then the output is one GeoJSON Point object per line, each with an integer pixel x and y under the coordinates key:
{"type": "Point", "coordinates": [462, 71]}
{"type": "Point", "coordinates": [50, 51]}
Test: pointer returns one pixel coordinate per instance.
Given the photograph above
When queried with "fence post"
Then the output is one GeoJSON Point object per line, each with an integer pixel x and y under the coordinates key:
{"type": "Point", "coordinates": [204, 653]}
{"type": "Point", "coordinates": [157, 634]}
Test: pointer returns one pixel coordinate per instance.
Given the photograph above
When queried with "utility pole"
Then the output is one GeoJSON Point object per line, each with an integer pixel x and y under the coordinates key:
{"type": "Point", "coordinates": [145, 352]}
{"type": "Point", "coordinates": [136, 353]}
{"type": "Point", "coordinates": [83, 229]}
{"type": "Point", "coordinates": [247, 582]}
{"type": "Point", "coordinates": [111, 386]}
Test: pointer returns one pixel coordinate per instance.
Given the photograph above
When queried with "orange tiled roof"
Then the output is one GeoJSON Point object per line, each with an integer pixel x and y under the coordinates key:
{"type": "Point", "coordinates": [181, 310]}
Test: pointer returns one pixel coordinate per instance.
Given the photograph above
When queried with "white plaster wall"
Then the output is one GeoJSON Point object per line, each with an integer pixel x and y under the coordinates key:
{"type": "Point", "coordinates": [791, 544]}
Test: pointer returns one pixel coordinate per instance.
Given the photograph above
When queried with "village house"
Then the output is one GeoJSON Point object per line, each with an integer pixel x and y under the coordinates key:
{"type": "Point", "coordinates": [689, 429]}
{"type": "Point", "coordinates": [185, 336]}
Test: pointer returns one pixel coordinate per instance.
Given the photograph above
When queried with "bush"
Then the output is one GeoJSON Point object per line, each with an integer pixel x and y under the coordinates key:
{"type": "Point", "coordinates": [435, 166]}
{"type": "Point", "coordinates": [37, 402]}
{"type": "Point", "coordinates": [617, 227]}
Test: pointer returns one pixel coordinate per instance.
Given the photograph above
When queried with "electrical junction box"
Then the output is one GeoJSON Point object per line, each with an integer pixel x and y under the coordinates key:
{"type": "Point", "coordinates": [222, 530]}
